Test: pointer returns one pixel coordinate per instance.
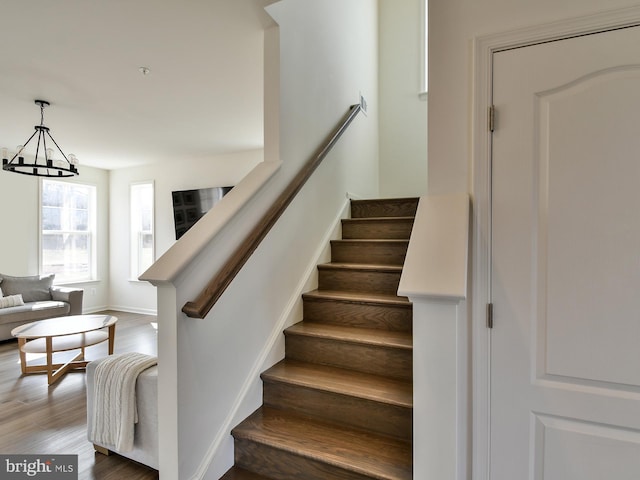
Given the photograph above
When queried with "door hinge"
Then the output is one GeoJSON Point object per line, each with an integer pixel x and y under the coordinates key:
{"type": "Point", "coordinates": [489, 315]}
{"type": "Point", "coordinates": [492, 118]}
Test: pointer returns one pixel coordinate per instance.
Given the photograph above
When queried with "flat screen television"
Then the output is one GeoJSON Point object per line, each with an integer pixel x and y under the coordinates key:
{"type": "Point", "coordinates": [190, 205]}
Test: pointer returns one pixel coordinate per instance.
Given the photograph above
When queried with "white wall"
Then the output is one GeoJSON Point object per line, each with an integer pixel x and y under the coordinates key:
{"type": "Point", "coordinates": [403, 115]}
{"type": "Point", "coordinates": [453, 24]}
{"type": "Point", "coordinates": [130, 294]}
{"type": "Point", "coordinates": [19, 197]}
{"type": "Point", "coordinates": [328, 54]}
{"type": "Point", "coordinates": [19, 237]}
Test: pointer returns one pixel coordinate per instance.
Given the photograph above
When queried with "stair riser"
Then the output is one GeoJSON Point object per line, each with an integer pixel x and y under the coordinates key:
{"type": "Point", "coordinates": [383, 208]}
{"type": "Point", "coordinates": [374, 229]}
{"type": "Point", "coordinates": [366, 414]}
{"type": "Point", "coordinates": [283, 465]}
{"type": "Point", "coordinates": [378, 360]}
{"type": "Point", "coordinates": [359, 281]}
{"type": "Point", "coordinates": [387, 253]}
{"type": "Point", "coordinates": [361, 315]}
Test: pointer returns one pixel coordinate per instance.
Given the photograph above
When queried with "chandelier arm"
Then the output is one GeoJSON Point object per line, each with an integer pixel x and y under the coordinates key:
{"type": "Point", "coordinates": [23, 146]}
{"type": "Point", "coordinates": [54, 141]}
{"type": "Point", "coordinates": [35, 160]}
{"type": "Point", "coordinates": [44, 145]}
{"type": "Point", "coordinates": [47, 160]}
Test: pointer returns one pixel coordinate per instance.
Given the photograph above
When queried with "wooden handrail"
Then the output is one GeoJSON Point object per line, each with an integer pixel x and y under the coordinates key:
{"type": "Point", "coordinates": [218, 284]}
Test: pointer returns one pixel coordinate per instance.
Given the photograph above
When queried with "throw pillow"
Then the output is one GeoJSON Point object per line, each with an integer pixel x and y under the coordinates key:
{"type": "Point", "coordinates": [33, 288]}
{"type": "Point", "coordinates": [11, 301]}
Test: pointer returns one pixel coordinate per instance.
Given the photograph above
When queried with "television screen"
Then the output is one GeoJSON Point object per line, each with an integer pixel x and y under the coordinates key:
{"type": "Point", "coordinates": [190, 205]}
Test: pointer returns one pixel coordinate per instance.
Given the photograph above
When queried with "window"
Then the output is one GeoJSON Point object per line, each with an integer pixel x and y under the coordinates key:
{"type": "Point", "coordinates": [424, 47]}
{"type": "Point", "coordinates": [142, 243]}
{"type": "Point", "coordinates": [67, 240]}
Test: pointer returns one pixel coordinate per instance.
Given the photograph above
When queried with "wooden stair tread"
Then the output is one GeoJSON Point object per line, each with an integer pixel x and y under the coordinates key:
{"type": "Point", "coordinates": [354, 450]}
{"type": "Point", "coordinates": [377, 219]}
{"type": "Point", "coordinates": [363, 267]}
{"type": "Point", "coordinates": [372, 241]}
{"type": "Point", "coordinates": [341, 381]}
{"type": "Point", "coordinates": [356, 297]}
{"type": "Point", "coordinates": [237, 473]}
{"type": "Point", "coordinates": [383, 338]}
{"type": "Point", "coordinates": [385, 201]}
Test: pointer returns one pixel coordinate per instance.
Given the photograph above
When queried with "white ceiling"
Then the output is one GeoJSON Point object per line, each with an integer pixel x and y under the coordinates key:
{"type": "Point", "coordinates": [203, 95]}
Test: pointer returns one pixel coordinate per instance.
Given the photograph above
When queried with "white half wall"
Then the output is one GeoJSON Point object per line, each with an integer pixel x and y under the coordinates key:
{"type": "Point", "coordinates": [434, 278]}
{"type": "Point", "coordinates": [328, 54]}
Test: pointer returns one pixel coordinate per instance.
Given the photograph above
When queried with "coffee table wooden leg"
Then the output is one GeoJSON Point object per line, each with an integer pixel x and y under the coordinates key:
{"type": "Point", "coordinates": [112, 338]}
{"type": "Point", "coordinates": [23, 356]}
{"type": "Point", "coordinates": [62, 369]}
{"type": "Point", "coordinates": [49, 346]}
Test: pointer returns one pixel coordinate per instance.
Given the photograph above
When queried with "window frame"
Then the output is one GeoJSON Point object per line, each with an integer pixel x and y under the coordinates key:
{"type": "Point", "coordinates": [136, 268]}
{"type": "Point", "coordinates": [424, 49]}
{"type": "Point", "coordinates": [91, 232]}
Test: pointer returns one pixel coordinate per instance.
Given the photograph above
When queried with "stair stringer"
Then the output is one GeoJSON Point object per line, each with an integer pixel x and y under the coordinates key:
{"type": "Point", "coordinates": [219, 456]}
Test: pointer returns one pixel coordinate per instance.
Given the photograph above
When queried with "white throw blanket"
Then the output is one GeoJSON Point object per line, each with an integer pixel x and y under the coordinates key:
{"type": "Point", "coordinates": [114, 399]}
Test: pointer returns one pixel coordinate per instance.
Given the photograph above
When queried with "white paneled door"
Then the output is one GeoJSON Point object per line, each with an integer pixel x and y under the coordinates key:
{"type": "Point", "coordinates": [565, 347]}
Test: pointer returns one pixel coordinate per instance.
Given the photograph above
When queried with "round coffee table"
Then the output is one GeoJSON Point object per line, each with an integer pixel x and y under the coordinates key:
{"type": "Point", "coordinates": [62, 334]}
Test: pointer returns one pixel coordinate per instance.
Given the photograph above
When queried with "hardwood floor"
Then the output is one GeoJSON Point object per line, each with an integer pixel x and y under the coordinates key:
{"type": "Point", "coordinates": [38, 419]}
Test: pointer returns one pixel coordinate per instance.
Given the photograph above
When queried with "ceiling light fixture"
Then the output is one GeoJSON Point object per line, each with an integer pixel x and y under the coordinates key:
{"type": "Point", "coordinates": [41, 167]}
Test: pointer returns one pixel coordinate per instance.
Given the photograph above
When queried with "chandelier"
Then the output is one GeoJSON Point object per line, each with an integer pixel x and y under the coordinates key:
{"type": "Point", "coordinates": [43, 165]}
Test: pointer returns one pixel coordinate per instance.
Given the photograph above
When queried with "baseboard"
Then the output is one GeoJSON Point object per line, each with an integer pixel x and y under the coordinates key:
{"type": "Point", "coordinates": [100, 308]}
{"type": "Point", "coordinates": [120, 308]}
{"type": "Point", "coordinates": [262, 363]}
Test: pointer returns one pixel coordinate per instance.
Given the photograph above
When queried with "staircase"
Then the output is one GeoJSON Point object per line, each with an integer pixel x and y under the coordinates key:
{"type": "Point", "coordinates": [339, 406]}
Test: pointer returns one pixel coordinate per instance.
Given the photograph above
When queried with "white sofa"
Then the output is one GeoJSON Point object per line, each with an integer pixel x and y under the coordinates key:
{"type": "Point", "coordinates": [40, 300]}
